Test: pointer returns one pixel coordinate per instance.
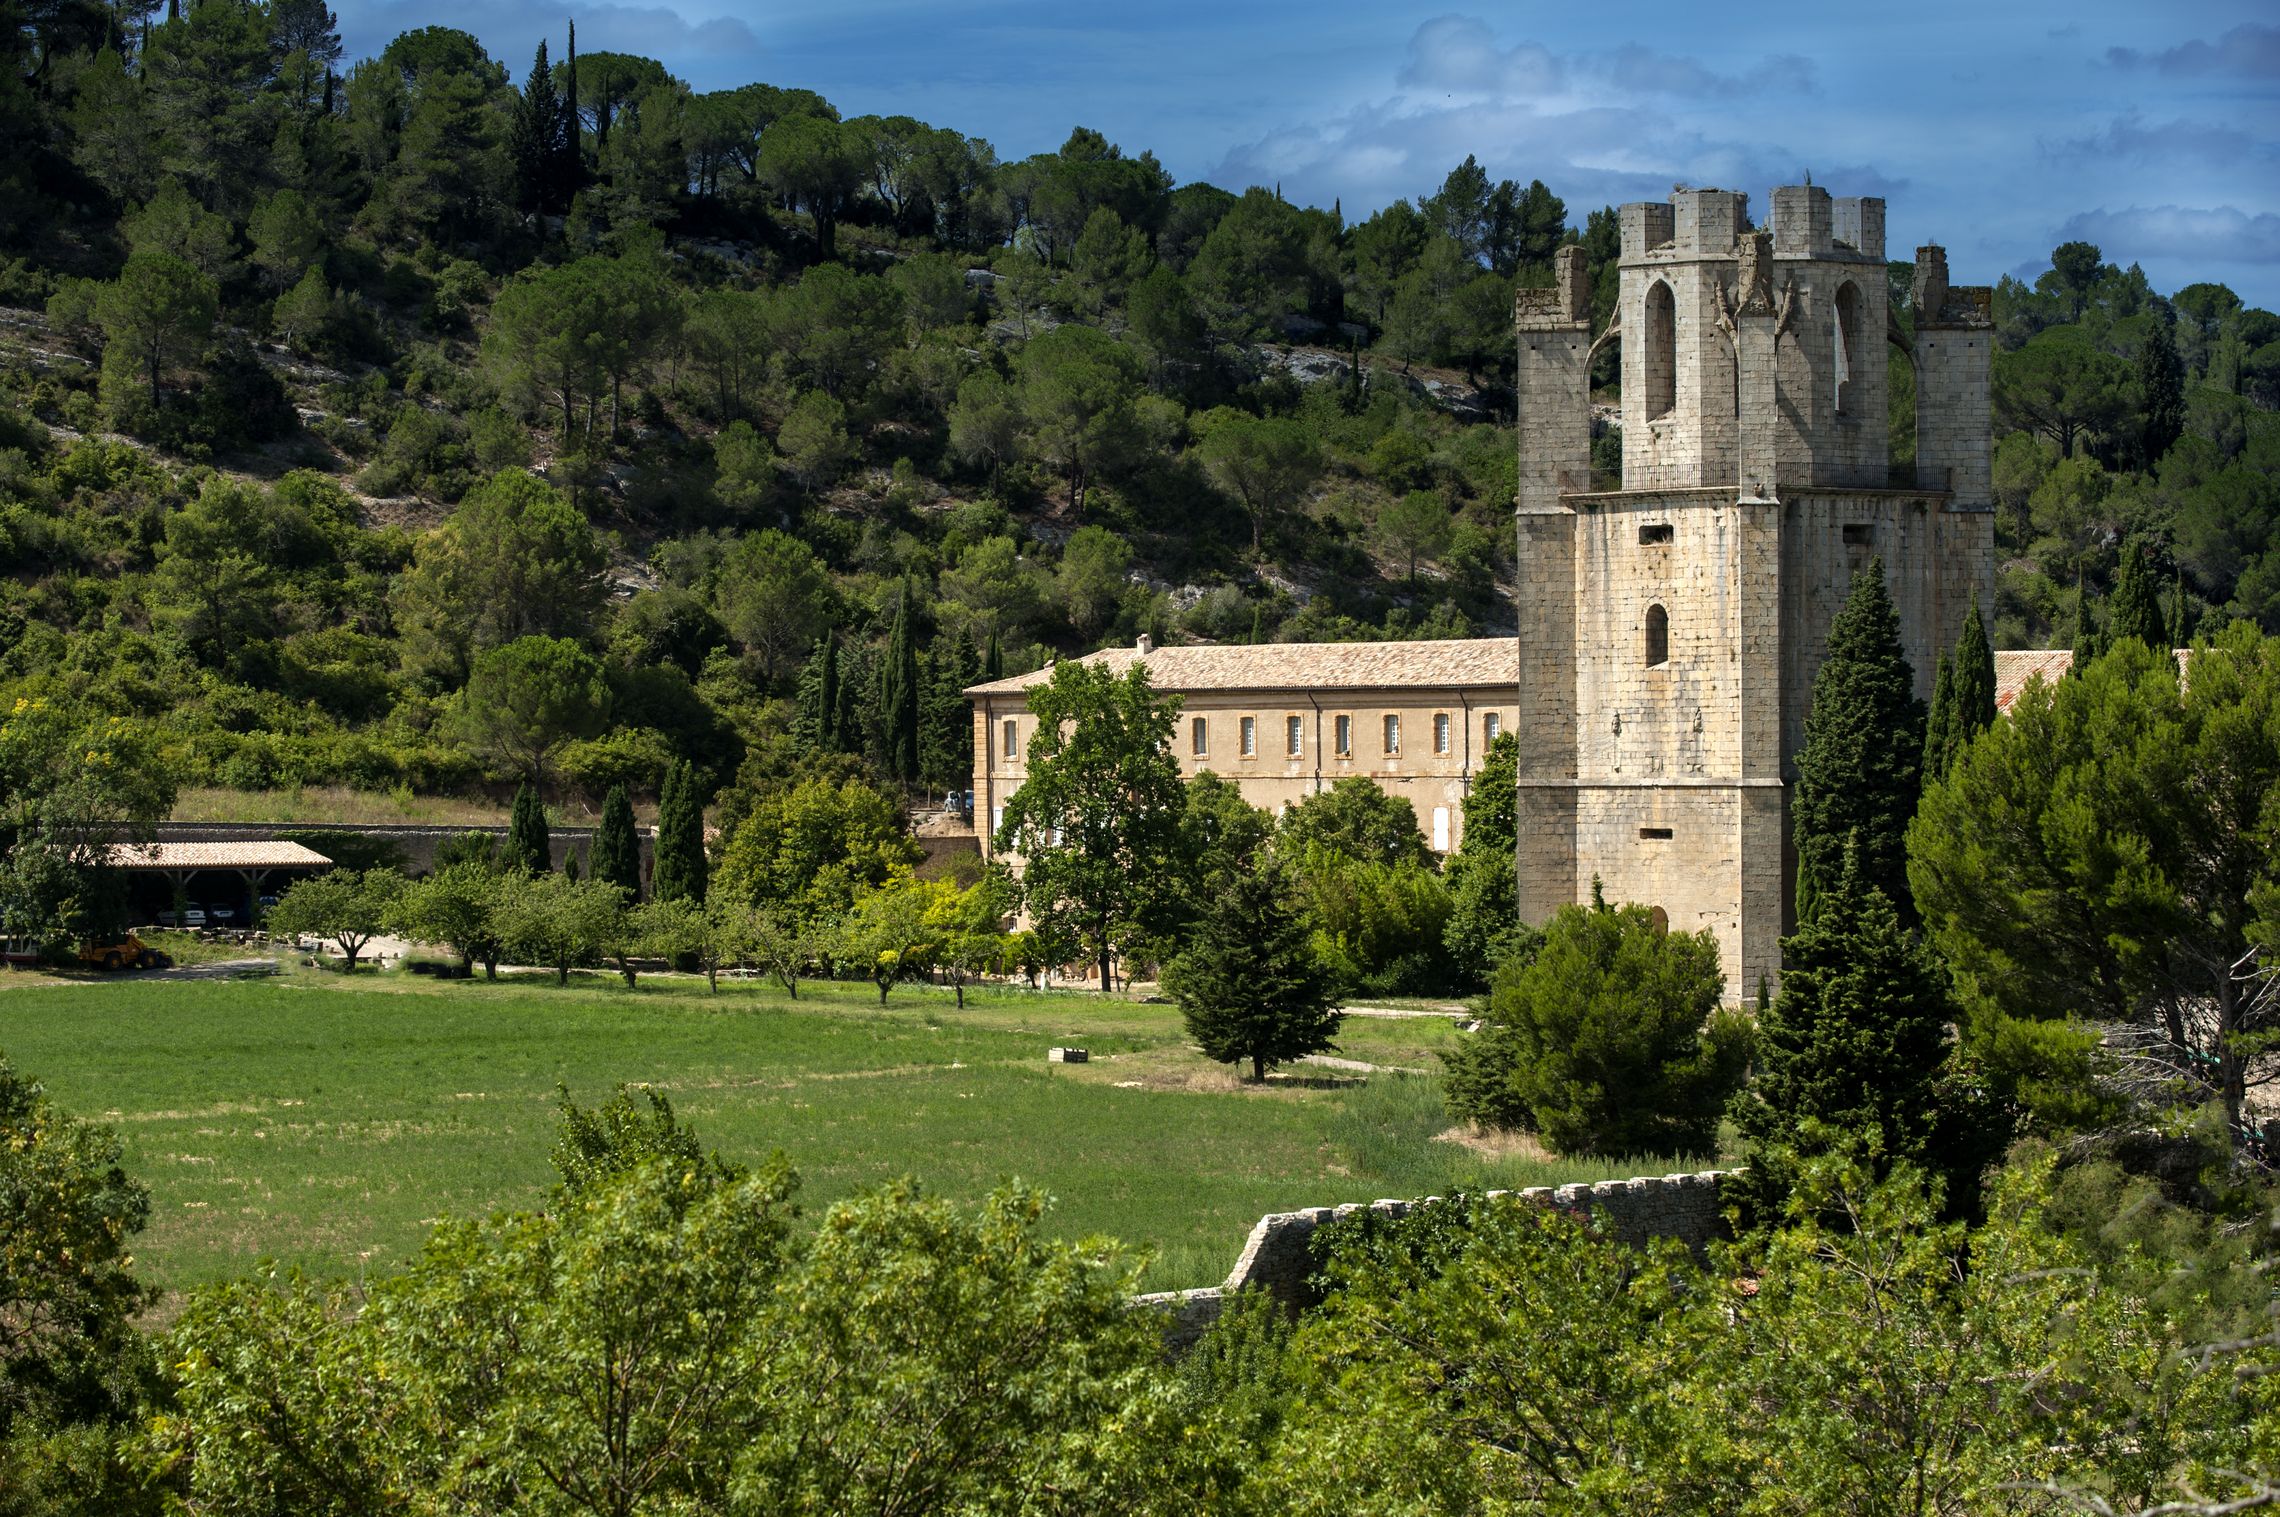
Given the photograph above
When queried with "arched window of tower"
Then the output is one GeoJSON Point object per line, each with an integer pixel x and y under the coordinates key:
{"type": "Point", "coordinates": [1658, 351]}
{"type": "Point", "coordinates": [1846, 342]}
{"type": "Point", "coordinates": [1658, 636]}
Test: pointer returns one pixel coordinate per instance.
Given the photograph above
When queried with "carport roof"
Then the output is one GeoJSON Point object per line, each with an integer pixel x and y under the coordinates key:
{"type": "Point", "coordinates": [254, 855]}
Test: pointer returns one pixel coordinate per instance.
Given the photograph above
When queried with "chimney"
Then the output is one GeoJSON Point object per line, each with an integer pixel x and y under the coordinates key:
{"type": "Point", "coordinates": [1146, 645]}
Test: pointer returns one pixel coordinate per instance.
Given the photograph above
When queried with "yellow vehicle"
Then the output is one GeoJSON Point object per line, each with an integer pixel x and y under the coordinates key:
{"type": "Point", "coordinates": [129, 952]}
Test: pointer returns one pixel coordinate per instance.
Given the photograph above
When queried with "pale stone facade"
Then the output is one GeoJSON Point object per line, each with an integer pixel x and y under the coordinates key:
{"type": "Point", "coordinates": [1285, 721]}
{"type": "Point", "coordinates": [1670, 630]}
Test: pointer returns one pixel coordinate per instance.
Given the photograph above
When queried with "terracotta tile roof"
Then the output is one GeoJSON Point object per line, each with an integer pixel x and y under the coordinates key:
{"type": "Point", "coordinates": [1478, 662]}
{"type": "Point", "coordinates": [216, 856]}
{"type": "Point", "coordinates": [2014, 667]}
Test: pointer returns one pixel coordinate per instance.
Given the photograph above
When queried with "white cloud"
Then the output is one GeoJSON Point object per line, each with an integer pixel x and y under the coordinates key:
{"type": "Point", "coordinates": [2215, 234]}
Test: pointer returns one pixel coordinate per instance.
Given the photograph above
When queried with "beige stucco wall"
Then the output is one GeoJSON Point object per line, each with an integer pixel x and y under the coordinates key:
{"type": "Point", "coordinates": [1270, 777]}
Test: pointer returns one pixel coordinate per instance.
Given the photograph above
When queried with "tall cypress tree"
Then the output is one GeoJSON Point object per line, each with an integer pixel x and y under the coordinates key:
{"type": "Point", "coordinates": [537, 136]}
{"type": "Point", "coordinates": [819, 723]}
{"type": "Point", "coordinates": [570, 154]}
{"type": "Point", "coordinates": [529, 847]}
{"type": "Point", "coordinates": [2135, 610]}
{"type": "Point", "coordinates": [946, 733]}
{"type": "Point", "coordinates": [1974, 682]}
{"type": "Point", "coordinates": [899, 695]}
{"type": "Point", "coordinates": [1860, 769]}
{"type": "Point", "coordinates": [1939, 727]}
{"type": "Point", "coordinates": [2178, 629]}
{"type": "Point", "coordinates": [2087, 643]}
{"type": "Point", "coordinates": [2161, 384]}
{"type": "Point", "coordinates": [1857, 1037]}
{"type": "Point", "coordinates": [993, 660]}
{"type": "Point", "coordinates": [679, 873]}
{"type": "Point", "coordinates": [616, 856]}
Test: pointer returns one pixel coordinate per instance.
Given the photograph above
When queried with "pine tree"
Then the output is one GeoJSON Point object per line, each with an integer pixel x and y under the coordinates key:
{"type": "Point", "coordinates": [537, 136]}
{"type": "Point", "coordinates": [616, 855]}
{"type": "Point", "coordinates": [528, 845]}
{"type": "Point", "coordinates": [899, 696]}
{"type": "Point", "coordinates": [1939, 727]}
{"type": "Point", "coordinates": [679, 871]}
{"type": "Point", "coordinates": [2135, 610]}
{"type": "Point", "coordinates": [1857, 1037]}
{"type": "Point", "coordinates": [1250, 986]}
{"type": "Point", "coordinates": [1860, 769]}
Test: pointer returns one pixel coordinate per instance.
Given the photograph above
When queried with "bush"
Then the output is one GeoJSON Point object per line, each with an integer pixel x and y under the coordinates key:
{"type": "Point", "coordinates": [1608, 1040]}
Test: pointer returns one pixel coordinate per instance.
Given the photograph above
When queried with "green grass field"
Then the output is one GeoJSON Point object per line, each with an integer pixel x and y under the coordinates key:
{"type": "Point", "coordinates": [327, 1122]}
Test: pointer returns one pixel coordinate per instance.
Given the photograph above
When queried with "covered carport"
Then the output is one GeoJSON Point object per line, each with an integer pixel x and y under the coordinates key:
{"type": "Point", "coordinates": [247, 868]}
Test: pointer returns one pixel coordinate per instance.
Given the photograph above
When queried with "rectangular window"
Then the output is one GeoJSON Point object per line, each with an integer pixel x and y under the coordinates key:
{"type": "Point", "coordinates": [1293, 731]}
{"type": "Point", "coordinates": [1198, 742]}
{"type": "Point", "coordinates": [1440, 732]}
{"type": "Point", "coordinates": [997, 818]}
{"type": "Point", "coordinates": [1393, 734]}
{"type": "Point", "coordinates": [1656, 532]}
{"type": "Point", "coordinates": [1654, 832]}
{"type": "Point", "coordinates": [1440, 829]}
{"type": "Point", "coordinates": [1490, 726]}
{"type": "Point", "coordinates": [1345, 737]}
{"type": "Point", "coordinates": [1012, 748]}
{"type": "Point", "coordinates": [1859, 534]}
{"type": "Point", "coordinates": [1250, 747]}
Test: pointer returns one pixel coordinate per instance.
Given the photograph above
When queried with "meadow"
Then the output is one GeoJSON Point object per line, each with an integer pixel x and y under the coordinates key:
{"type": "Point", "coordinates": [327, 1123]}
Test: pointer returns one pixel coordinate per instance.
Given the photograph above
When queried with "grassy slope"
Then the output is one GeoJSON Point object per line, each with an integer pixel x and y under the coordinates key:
{"type": "Point", "coordinates": [326, 1123]}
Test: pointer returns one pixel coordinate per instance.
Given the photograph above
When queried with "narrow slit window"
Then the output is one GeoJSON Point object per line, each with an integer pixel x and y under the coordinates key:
{"type": "Point", "coordinates": [1393, 734]}
{"type": "Point", "coordinates": [1199, 737]}
{"type": "Point", "coordinates": [1294, 732]}
{"type": "Point", "coordinates": [1345, 737]}
{"type": "Point", "coordinates": [1440, 732]}
{"type": "Point", "coordinates": [1250, 747]}
{"type": "Point", "coordinates": [1012, 744]}
{"type": "Point", "coordinates": [1490, 725]}
{"type": "Point", "coordinates": [1654, 832]}
{"type": "Point", "coordinates": [1658, 636]}
{"type": "Point", "coordinates": [1655, 532]}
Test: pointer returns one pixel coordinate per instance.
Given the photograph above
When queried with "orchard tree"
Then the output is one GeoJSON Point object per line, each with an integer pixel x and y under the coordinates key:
{"type": "Point", "coordinates": [1097, 821]}
{"type": "Point", "coordinates": [890, 934]}
{"type": "Point", "coordinates": [457, 908]}
{"type": "Point", "coordinates": [348, 906]}
{"type": "Point", "coordinates": [1249, 985]}
{"type": "Point", "coordinates": [563, 924]}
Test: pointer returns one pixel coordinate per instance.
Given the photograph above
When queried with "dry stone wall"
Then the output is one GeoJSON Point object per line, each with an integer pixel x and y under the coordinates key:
{"type": "Point", "coordinates": [1277, 1257]}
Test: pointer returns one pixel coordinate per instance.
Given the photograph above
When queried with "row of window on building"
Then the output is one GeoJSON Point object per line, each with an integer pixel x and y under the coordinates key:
{"type": "Point", "coordinates": [1294, 735]}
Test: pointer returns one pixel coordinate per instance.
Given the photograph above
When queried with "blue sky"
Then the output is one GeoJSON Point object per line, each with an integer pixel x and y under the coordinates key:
{"type": "Point", "coordinates": [1997, 129]}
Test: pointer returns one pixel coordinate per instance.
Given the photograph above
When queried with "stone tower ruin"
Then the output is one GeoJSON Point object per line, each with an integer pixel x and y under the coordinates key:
{"type": "Point", "coordinates": [1670, 629]}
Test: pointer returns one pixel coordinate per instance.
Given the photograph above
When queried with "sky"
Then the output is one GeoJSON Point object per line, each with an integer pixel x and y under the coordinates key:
{"type": "Point", "coordinates": [1998, 129]}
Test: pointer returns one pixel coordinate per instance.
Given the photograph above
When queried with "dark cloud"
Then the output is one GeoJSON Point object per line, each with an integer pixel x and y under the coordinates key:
{"type": "Point", "coordinates": [2248, 51]}
{"type": "Point", "coordinates": [2216, 234]}
{"type": "Point", "coordinates": [2133, 139]}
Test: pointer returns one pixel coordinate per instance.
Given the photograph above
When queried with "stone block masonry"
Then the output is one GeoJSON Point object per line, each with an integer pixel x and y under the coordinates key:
{"type": "Point", "coordinates": [1278, 1257]}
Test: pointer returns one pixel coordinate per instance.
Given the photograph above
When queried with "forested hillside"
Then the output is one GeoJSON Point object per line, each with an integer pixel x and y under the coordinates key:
{"type": "Point", "coordinates": [395, 423]}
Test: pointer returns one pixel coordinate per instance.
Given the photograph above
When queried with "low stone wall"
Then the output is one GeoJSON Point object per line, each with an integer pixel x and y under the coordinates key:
{"type": "Point", "coordinates": [1276, 1257]}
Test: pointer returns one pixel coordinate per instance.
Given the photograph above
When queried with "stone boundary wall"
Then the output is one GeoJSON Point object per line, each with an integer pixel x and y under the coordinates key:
{"type": "Point", "coordinates": [1276, 1257]}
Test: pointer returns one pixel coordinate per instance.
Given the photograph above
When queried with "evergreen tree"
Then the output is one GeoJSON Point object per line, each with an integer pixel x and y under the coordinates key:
{"type": "Point", "coordinates": [2161, 388]}
{"type": "Point", "coordinates": [993, 660]}
{"type": "Point", "coordinates": [529, 847]}
{"type": "Point", "coordinates": [1974, 665]}
{"type": "Point", "coordinates": [1484, 884]}
{"type": "Point", "coordinates": [1857, 1038]}
{"type": "Point", "coordinates": [616, 855]}
{"type": "Point", "coordinates": [1250, 986]}
{"type": "Point", "coordinates": [2178, 630]}
{"type": "Point", "coordinates": [2087, 643]}
{"type": "Point", "coordinates": [2135, 610]}
{"type": "Point", "coordinates": [1859, 771]}
{"type": "Point", "coordinates": [898, 696]}
{"type": "Point", "coordinates": [819, 723]}
{"type": "Point", "coordinates": [946, 737]}
{"type": "Point", "coordinates": [1939, 727]}
{"type": "Point", "coordinates": [679, 870]}
{"type": "Point", "coordinates": [570, 152]}
{"type": "Point", "coordinates": [537, 137]}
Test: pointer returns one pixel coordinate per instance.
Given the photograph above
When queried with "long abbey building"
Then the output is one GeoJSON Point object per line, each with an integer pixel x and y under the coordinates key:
{"type": "Point", "coordinates": [1670, 630]}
